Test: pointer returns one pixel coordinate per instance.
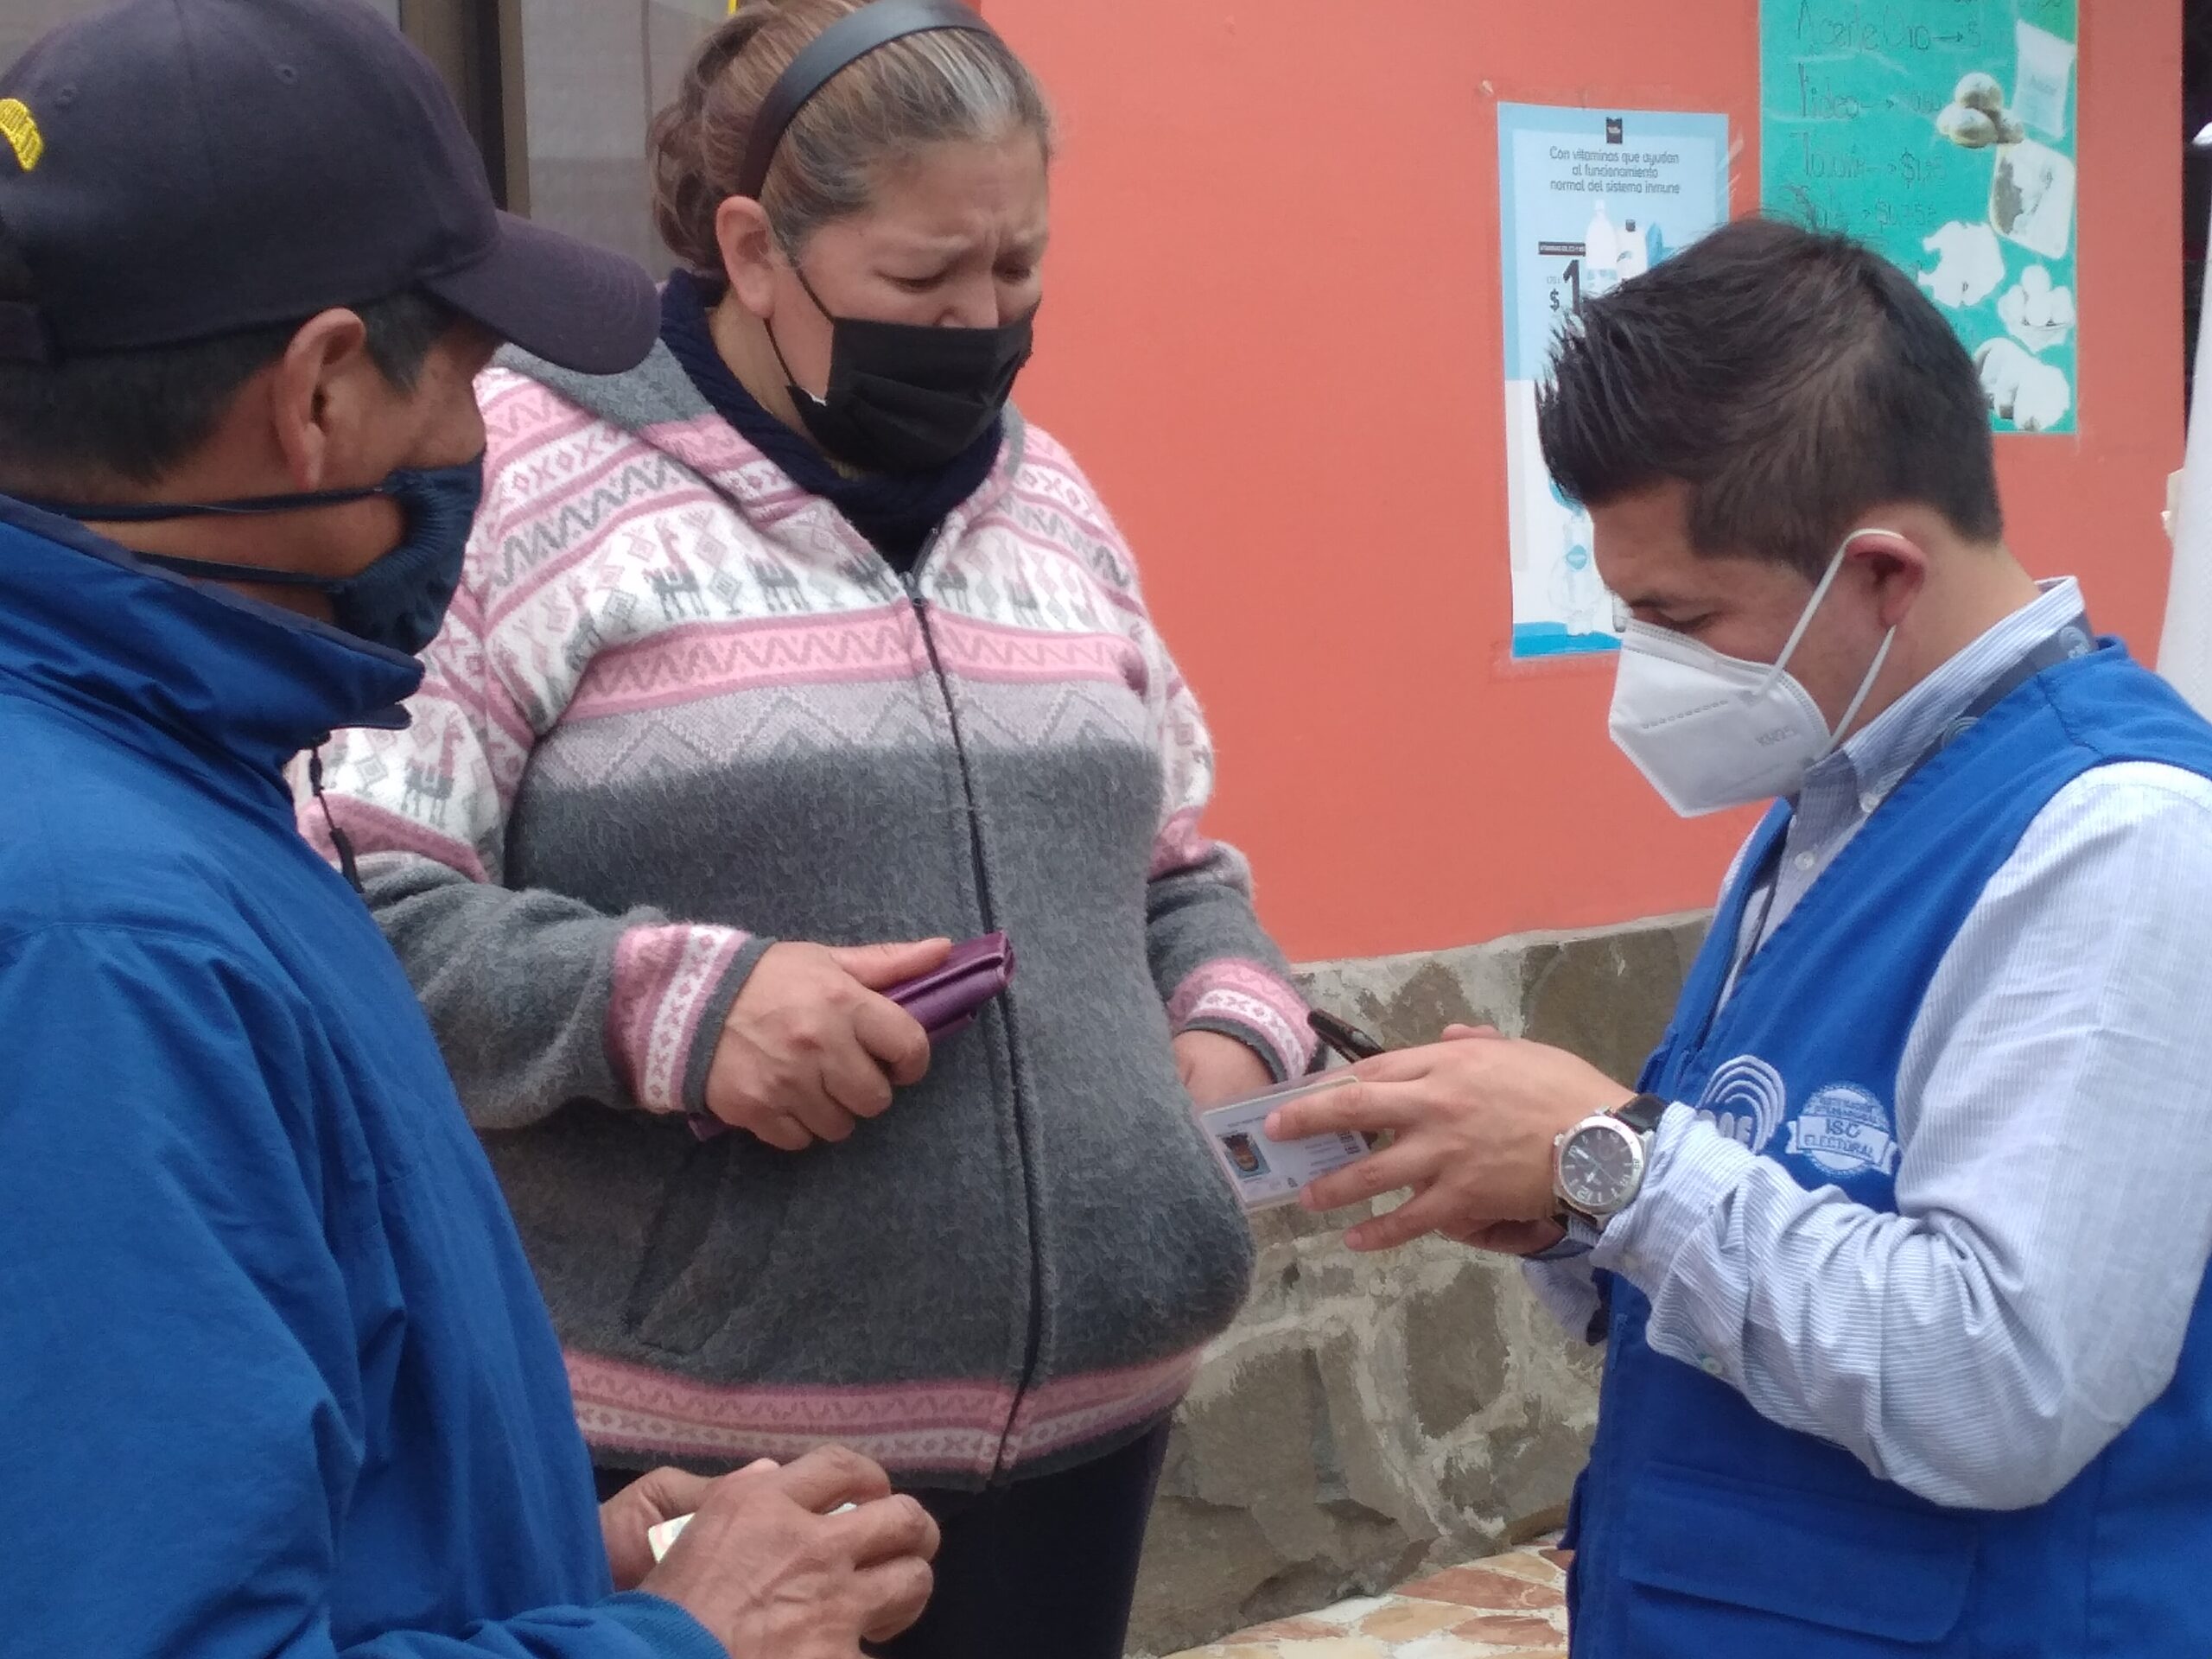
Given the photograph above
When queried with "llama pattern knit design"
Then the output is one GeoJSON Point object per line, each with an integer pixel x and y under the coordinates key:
{"type": "Point", "coordinates": [682, 709]}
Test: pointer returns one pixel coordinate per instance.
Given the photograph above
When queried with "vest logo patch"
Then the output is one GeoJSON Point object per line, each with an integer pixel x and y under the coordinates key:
{"type": "Point", "coordinates": [1744, 1099]}
{"type": "Point", "coordinates": [1844, 1131]}
{"type": "Point", "coordinates": [19, 131]}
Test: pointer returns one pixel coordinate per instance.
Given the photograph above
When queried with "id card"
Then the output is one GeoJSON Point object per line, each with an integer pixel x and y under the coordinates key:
{"type": "Point", "coordinates": [1267, 1173]}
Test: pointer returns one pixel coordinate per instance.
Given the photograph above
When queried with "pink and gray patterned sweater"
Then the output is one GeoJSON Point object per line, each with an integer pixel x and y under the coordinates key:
{"type": "Point", "coordinates": [682, 709]}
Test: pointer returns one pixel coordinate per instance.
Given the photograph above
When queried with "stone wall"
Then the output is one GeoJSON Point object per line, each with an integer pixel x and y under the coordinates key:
{"type": "Point", "coordinates": [1368, 1417]}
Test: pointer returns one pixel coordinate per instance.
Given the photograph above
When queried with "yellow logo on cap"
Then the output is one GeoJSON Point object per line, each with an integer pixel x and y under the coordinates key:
{"type": "Point", "coordinates": [22, 133]}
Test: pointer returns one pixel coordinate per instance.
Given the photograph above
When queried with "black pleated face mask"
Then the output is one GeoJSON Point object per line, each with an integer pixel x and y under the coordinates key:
{"type": "Point", "coordinates": [904, 396]}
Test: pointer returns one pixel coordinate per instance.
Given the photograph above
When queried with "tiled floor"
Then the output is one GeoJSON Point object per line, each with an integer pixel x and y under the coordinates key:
{"type": "Point", "coordinates": [1512, 1604]}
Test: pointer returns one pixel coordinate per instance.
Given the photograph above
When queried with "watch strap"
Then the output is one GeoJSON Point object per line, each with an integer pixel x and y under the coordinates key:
{"type": "Point", "coordinates": [1643, 1114]}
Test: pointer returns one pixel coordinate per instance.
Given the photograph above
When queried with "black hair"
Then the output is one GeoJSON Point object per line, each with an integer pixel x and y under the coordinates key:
{"type": "Point", "coordinates": [1792, 378]}
{"type": "Point", "coordinates": [128, 416]}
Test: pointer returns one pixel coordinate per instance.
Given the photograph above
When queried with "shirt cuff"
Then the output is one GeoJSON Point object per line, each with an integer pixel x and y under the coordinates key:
{"type": "Point", "coordinates": [1693, 1168]}
{"type": "Point", "coordinates": [1568, 1292]}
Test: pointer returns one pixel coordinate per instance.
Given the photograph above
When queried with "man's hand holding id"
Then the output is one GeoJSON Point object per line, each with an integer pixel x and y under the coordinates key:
{"type": "Point", "coordinates": [1472, 1119]}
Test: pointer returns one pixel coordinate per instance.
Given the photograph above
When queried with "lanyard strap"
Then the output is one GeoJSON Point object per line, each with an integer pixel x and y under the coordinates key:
{"type": "Point", "coordinates": [2072, 640]}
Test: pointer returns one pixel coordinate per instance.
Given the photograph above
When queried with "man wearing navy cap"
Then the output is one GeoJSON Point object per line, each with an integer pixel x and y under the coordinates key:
{"type": "Point", "coordinates": [274, 1374]}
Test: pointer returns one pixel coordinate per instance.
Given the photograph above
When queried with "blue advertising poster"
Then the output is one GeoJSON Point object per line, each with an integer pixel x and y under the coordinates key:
{"type": "Point", "coordinates": [1589, 198]}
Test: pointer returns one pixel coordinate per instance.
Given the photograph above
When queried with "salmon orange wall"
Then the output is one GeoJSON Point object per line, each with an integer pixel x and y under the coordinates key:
{"type": "Point", "coordinates": [1272, 337]}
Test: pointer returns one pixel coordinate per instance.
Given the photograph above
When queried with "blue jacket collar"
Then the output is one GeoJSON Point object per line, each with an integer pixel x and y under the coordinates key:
{"type": "Point", "coordinates": [85, 621]}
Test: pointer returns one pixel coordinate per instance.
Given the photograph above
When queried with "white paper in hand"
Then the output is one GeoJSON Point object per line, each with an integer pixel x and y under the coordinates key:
{"type": "Point", "coordinates": [1267, 1173]}
{"type": "Point", "coordinates": [661, 1539]}
{"type": "Point", "coordinates": [665, 1534]}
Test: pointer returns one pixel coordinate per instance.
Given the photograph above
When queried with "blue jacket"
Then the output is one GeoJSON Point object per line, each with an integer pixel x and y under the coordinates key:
{"type": "Point", "coordinates": [1704, 1529]}
{"type": "Point", "coordinates": [274, 1376]}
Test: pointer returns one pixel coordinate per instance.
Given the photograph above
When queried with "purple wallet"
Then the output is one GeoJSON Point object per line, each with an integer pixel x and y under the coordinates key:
{"type": "Point", "coordinates": [945, 1000]}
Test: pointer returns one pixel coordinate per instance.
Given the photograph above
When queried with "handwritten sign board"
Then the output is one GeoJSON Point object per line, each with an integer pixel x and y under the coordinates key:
{"type": "Point", "coordinates": [1941, 132]}
{"type": "Point", "coordinates": [1589, 199]}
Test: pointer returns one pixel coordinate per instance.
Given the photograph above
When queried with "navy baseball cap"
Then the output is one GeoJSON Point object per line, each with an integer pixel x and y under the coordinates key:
{"type": "Point", "coordinates": [172, 170]}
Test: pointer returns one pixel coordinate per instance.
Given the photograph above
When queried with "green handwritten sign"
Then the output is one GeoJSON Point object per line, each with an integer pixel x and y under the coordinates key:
{"type": "Point", "coordinates": [1942, 133]}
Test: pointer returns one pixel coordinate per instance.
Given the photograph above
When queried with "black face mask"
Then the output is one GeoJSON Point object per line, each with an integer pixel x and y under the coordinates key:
{"type": "Point", "coordinates": [904, 396]}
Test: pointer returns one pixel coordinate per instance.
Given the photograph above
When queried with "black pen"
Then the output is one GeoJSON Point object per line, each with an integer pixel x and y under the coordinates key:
{"type": "Point", "coordinates": [1344, 1037]}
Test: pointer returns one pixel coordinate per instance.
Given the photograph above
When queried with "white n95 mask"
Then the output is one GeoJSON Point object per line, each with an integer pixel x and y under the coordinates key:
{"type": "Point", "coordinates": [1709, 731]}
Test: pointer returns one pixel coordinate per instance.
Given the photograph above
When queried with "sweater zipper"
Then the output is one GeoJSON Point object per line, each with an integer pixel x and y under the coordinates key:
{"type": "Point", "coordinates": [910, 580]}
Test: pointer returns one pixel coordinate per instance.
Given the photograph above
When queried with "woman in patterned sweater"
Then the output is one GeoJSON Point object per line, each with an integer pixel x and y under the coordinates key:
{"type": "Point", "coordinates": [791, 642]}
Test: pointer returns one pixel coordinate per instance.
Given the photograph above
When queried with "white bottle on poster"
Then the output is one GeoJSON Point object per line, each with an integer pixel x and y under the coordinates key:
{"type": "Point", "coordinates": [1601, 253]}
{"type": "Point", "coordinates": [1630, 261]}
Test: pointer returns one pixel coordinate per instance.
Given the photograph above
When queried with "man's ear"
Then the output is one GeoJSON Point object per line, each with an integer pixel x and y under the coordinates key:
{"type": "Point", "coordinates": [324, 393]}
{"type": "Point", "coordinates": [1896, 565]}
{"type": "Point", "coordinates": [749, 253]}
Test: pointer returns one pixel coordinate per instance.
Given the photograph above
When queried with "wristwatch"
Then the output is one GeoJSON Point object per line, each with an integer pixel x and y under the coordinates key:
{"type": "Point", "coordinates": [1597, 1165]}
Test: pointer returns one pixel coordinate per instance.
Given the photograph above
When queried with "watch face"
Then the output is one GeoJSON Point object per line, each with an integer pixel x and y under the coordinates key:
{"type": "Point", "coordinates": [1598, 1169]}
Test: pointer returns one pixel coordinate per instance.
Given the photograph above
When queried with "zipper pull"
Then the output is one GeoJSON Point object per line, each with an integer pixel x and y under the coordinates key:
{"type": "Point", "coordinates": [346, 862]}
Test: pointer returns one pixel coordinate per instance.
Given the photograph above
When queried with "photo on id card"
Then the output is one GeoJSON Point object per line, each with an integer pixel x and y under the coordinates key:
{"type": "Point", "coordinates": [1267, 1173]}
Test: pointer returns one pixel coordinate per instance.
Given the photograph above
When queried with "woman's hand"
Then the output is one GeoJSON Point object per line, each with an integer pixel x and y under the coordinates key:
{"type": "Point", "coordinates": [1215, 1068]}
{"type": "Point", "coordinates": [811, 1046]}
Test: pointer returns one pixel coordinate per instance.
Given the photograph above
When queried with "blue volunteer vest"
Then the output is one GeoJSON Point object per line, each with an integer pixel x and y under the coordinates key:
{"type": "Point", "coordinates": [1704, 1531]}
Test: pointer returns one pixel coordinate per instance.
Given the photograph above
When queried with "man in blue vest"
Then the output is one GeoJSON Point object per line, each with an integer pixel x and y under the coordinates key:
{"type": "Point", "coordinates": [1899, 1249]}
{"type": "Point", "coordinates": [274, 1376]}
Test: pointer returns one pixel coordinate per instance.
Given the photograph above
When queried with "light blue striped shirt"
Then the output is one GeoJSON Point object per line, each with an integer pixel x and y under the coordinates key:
{"type": "Point", "coordinates": [2053, 1110]}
